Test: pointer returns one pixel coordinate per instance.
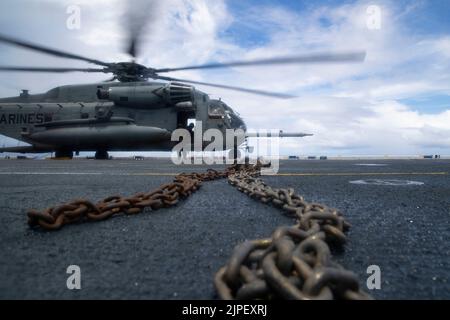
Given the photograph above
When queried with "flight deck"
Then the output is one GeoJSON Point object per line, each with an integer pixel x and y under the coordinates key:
{"type": "Point", "coordinates": [399, 211]}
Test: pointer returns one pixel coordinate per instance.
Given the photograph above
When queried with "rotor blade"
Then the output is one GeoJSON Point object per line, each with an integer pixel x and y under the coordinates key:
{"type": "Point", "coordinates": [253, 91]}
{"type": "Point", "coordinates": [53, 52]}
{"type": "Point", "coordinates": [34, 69]}
{"type": "Point", "coordinates": [139, 15]}
{"type": "Point", "coordinates": [357, 56]}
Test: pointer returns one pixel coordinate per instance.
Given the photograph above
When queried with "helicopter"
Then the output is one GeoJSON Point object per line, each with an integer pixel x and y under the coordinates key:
{"type": "Point", "coordinates": [137, 110]}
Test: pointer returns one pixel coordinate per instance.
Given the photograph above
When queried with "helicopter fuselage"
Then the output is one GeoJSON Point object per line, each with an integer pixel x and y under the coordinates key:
{"type": "Point", "coordinates": [111, 116]}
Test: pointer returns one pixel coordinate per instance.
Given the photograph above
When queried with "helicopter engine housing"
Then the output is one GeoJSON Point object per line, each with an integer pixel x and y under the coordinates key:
{"type": "Point", "coordinates": [148, 96]}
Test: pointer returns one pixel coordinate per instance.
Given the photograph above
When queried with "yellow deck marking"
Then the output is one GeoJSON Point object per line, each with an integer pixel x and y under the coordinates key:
{"type": "Point", "coordinates": [154, 174]}
{"type": "Point", "coordinates": [171, 174]}
{"type": "Point", "coordinates": [365, 174]}
{"type": "Point", "coordinates": [322, 174]}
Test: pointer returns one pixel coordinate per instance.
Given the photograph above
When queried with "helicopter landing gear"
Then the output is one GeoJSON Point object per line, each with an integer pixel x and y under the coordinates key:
{"type": "Point", "coordinates": [63, 154]}
{"type": "Point", "coordinates": [101, 155]}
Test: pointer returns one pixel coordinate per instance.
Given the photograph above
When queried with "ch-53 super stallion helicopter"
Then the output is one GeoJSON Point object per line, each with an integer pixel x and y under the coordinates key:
{"type": "Point", "coordinates": [127, 113]}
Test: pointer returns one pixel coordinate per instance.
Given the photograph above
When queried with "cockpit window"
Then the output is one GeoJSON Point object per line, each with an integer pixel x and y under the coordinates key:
{"type": "Point", "coordinates": [216, 111]}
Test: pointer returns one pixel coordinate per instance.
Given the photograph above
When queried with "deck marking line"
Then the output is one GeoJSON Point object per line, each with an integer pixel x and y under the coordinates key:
{"type": "Point", "coordinates": [364, 174]}
{"type": "Point", "coordinates": [278, 174]}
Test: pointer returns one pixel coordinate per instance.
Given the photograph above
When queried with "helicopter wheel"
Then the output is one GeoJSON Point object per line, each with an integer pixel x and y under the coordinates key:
{"type": "Point", "coordinates": [63, 154]}
{"type": "Point", "coordinates": [101, 155]}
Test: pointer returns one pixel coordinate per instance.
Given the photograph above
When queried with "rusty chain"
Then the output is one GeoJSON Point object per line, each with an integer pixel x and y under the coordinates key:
{"type": "Point", "coordinates": [79, 210]}
{"type": "Point", "coordinates": [294, 263]}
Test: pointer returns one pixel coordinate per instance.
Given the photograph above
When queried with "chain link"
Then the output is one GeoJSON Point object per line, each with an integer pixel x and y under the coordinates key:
{"type": "Point", "coordinates": [167, 195]}
{"type": "Point", "coordinates": [294, 263]}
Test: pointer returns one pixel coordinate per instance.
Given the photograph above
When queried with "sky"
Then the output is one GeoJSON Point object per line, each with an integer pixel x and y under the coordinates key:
{"type": "Point", "coordinates": [397, 102]}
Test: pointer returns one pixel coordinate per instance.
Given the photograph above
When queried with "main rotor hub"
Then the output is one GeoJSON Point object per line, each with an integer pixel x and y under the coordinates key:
{"type": "Point", "coordinates": [130, 71]}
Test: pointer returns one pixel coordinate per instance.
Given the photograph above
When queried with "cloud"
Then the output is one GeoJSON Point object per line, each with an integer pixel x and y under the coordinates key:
{"type": "Point", "coordinates": [399, 65]}
{"type": "Point", "coordinates": [351, 108]}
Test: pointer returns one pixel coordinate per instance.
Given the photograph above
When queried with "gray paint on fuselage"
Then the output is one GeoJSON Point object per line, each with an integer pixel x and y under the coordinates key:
{"type": "Point", "coordinates": [70, 102]}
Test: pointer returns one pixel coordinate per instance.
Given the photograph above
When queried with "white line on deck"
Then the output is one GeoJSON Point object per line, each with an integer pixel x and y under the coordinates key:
{"type": "Point", "coordinates": [279, 174]}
